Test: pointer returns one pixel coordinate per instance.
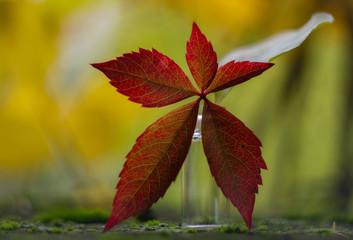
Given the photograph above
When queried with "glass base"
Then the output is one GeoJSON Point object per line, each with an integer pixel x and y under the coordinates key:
{"type": "Point", "coordinates": [203, 204]}
{"type": "Point", "coordinates": [203, 227]}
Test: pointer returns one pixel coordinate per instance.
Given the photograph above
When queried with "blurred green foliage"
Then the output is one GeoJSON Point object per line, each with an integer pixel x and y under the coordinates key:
{"type": "Point", "coordinates": [74, 215]}
{"type": "Point", "coordinates": [64, 132]}
{"type": "Point", "coordinates": [9, 225]}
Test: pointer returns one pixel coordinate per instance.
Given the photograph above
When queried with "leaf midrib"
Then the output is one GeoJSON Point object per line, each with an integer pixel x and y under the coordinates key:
{"type": "Point", "coordinates": [162, 157]}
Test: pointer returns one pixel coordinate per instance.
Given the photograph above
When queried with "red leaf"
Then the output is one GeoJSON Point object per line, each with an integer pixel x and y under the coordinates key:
{"type": "Point", "coordinates": [153, 163]}
{"type": "Point", "coordinates": [234, 155]}
{"type": "Point", "coordinates": [232, 150]}
{"type": "Point", "coordinates": [148, 77]}
{"type": "Point", "coordinates": [201, 58]}
{"type": "Point", "coordinates": [234, 73]}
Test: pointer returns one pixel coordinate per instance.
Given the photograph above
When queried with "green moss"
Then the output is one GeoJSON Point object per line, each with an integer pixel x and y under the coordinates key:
{"type": "Point", "coordinates": [134, 225]}
{"type": "Point", "coordinates": [153, 225]}
{"type": "Point", "coordinates": [267, 226]}
{"type": "Point", "coordinates": [55, 230]}
{"type": "Point", "coordinates": [243, 229]}
{"type": "Point", "coordinates": [34, 228]}
{"type": "Point", "coordinates": [175, 228]}
{"type": "Point", "coordinates": [232, 229]}
{"type": "Point", "coordinates": [228, 229]}
{"type": "Point", "coordinates": [324, 231]}
{"type": "Point", "coordinates": [9, 225]}
{"type": "Point", "coordinates": [288, 229]}
{"type": "Point", "coordinates": [78, 215]}
{"type": "Point", "coordinates": [69, 229]}
{"type": "Point", "coordinates": [262, 228]}
{"type": "Point", "coordinates": [153, 222]}
{"type": "Point", "coordinates": [81, 226]}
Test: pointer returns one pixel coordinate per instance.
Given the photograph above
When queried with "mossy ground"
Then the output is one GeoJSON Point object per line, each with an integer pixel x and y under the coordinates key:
{"type": "Point", "coordinates": [89, 224]}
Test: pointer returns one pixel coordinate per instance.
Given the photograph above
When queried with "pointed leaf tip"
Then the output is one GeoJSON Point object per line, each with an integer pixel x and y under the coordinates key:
{"type": "Point", "coordinates": [194, 26]}
{"type": "Point", "coordinates": [109, 225]}
{"type": "Point", "coordinates": [148, 77]}
{"type": "Point", "coordinates": [95, 65]}
{"type": "Point", "coordinates": [98, 65]}
{"type": "Point", "coordinates": [234, 73]}
{"type": "Point", "coordinates": [201, 58]}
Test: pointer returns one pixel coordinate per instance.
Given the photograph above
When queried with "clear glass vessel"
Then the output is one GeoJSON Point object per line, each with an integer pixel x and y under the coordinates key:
{"type": "Point", "coordinates": [203, 204]}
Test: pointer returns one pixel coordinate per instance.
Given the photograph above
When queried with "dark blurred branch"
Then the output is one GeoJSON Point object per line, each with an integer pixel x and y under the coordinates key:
{"type": "Point", "coordinates": [294, 81]}
{"type": "Point", "coordinates": [344, 182]}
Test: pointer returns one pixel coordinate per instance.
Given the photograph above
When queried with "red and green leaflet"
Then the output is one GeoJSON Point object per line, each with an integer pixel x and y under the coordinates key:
{"type": "Point", "coordinates": [232, 150]}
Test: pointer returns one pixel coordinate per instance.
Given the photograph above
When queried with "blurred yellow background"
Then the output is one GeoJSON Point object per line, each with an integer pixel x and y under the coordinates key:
{"type": "Point", "coordinates": [64, 131]}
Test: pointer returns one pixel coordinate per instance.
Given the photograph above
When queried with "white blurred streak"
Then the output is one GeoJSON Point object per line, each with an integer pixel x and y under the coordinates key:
{"type": "Point", "coordinates": [275, 45]}
{"type": "Point", "coordinates": [86, 35]}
